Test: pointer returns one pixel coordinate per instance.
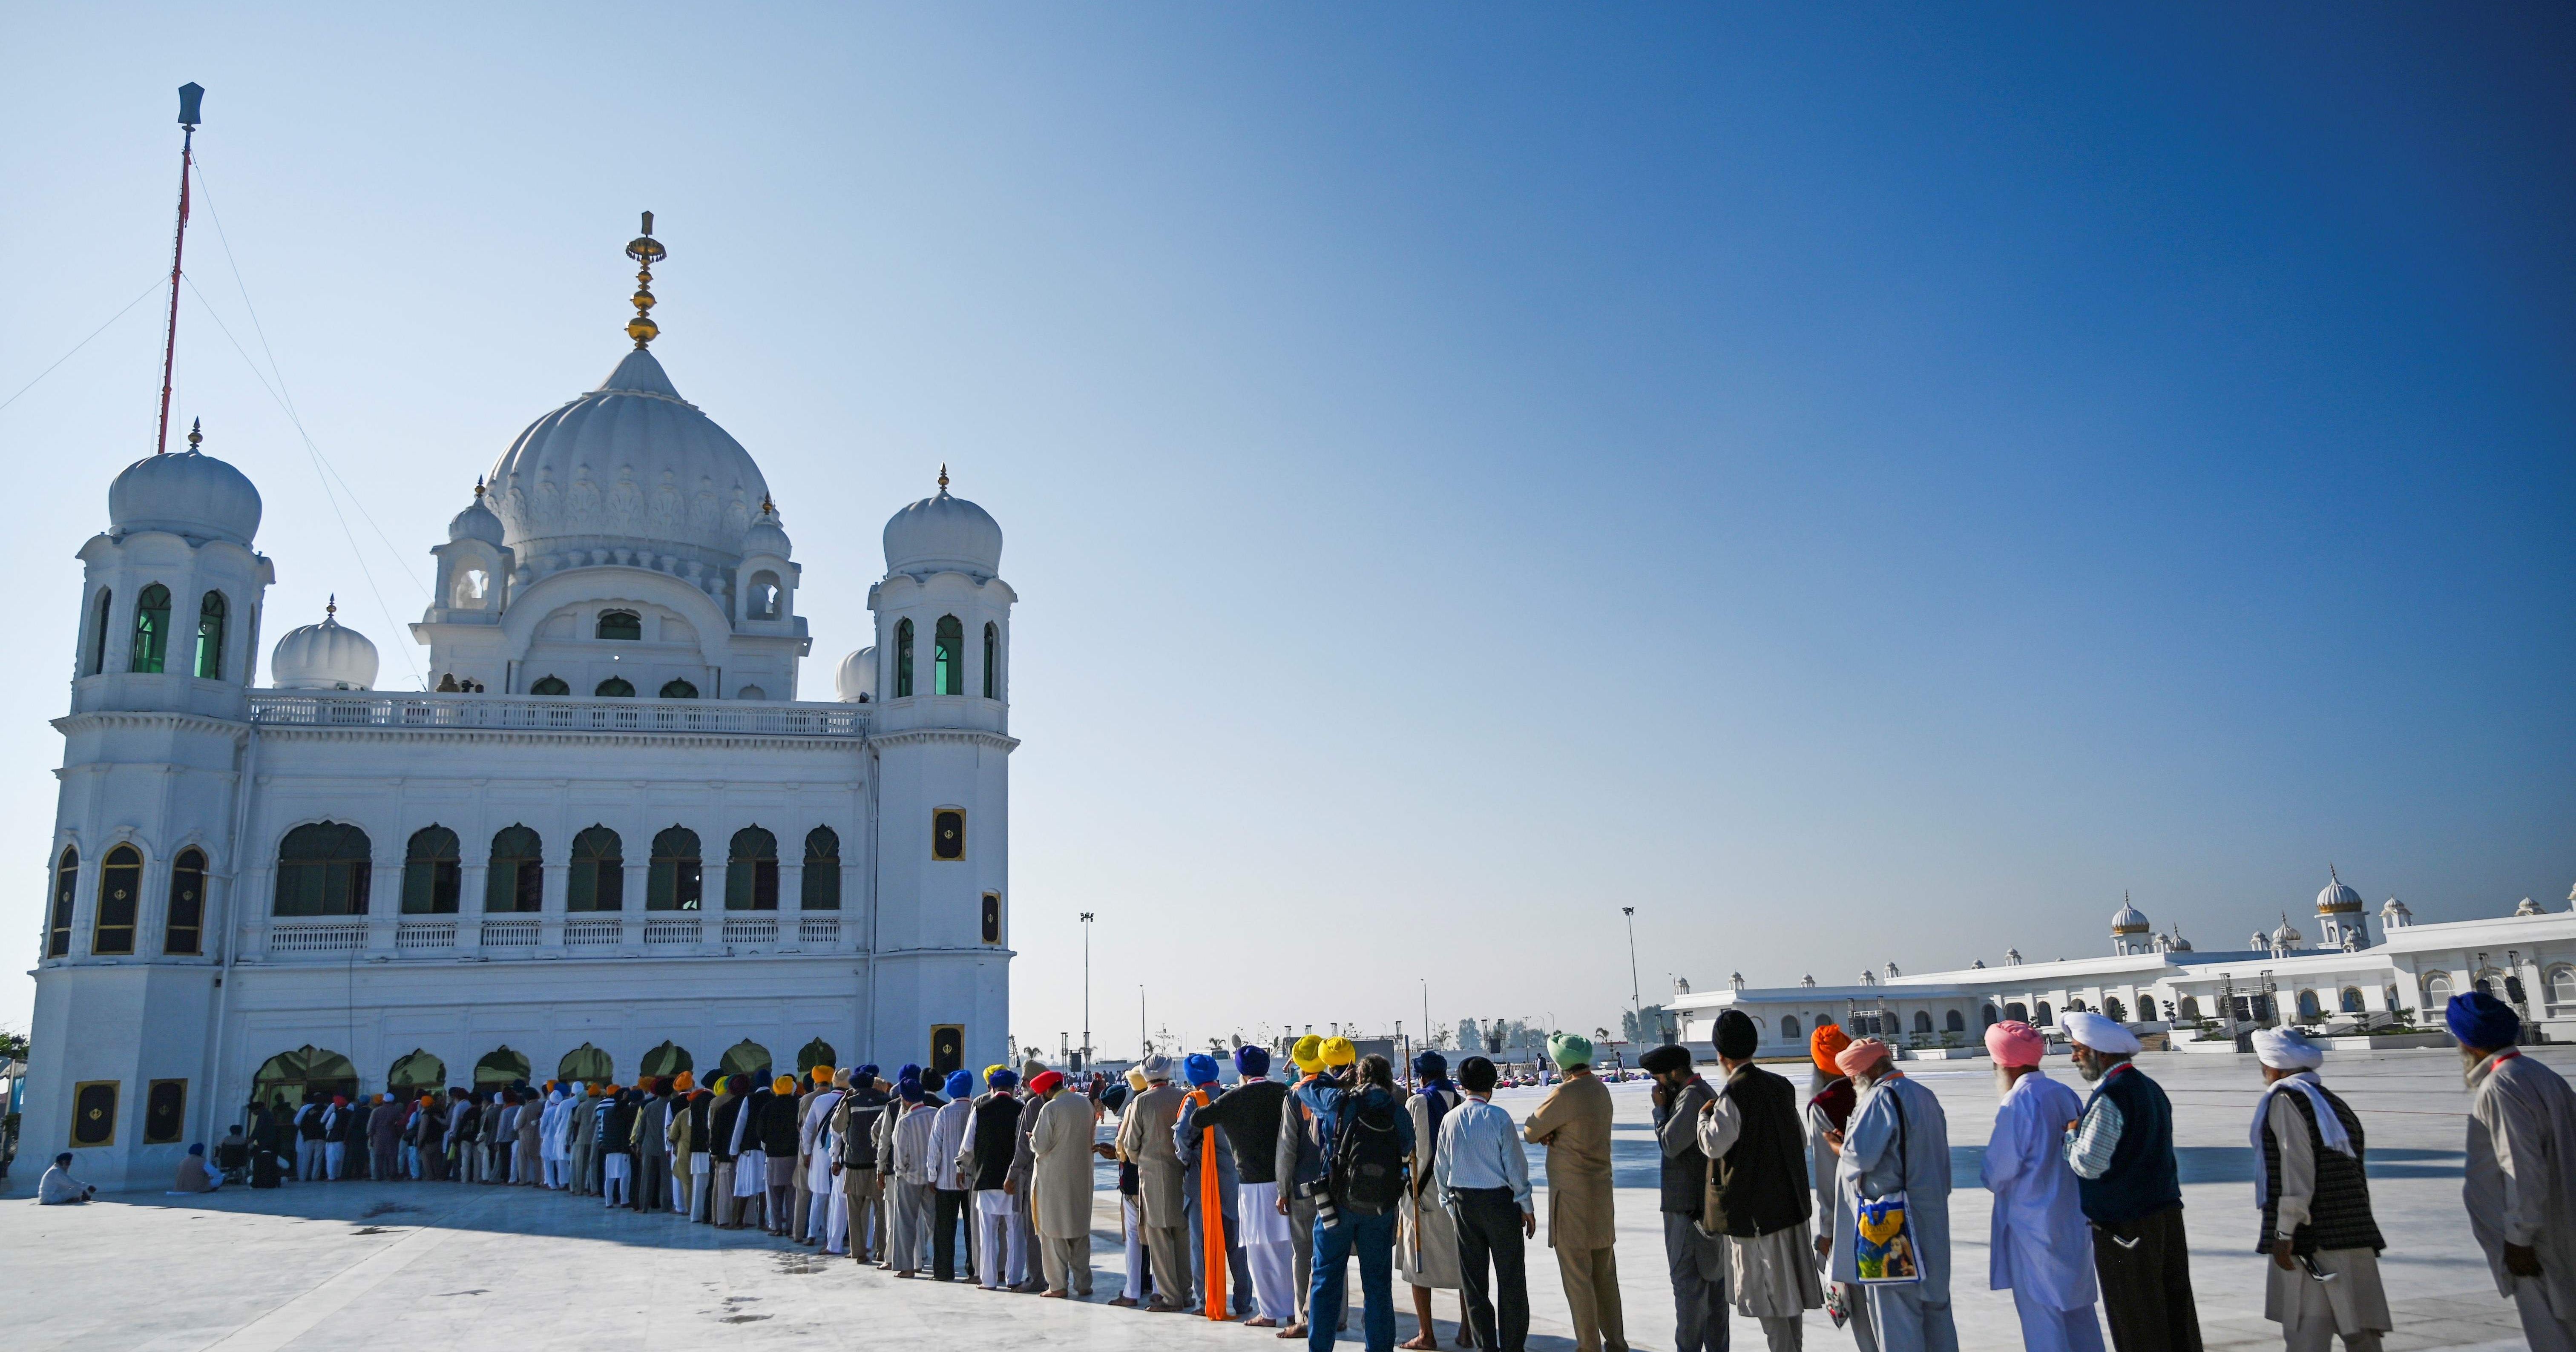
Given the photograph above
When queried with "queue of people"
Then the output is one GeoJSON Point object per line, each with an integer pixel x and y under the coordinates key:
{"type": "Point", "coordinates": [1251, 1201]}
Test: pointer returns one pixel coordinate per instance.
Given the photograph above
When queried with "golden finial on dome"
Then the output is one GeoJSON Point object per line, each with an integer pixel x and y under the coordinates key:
{"type": "Point", "coordinates": [196, 432]}
{"type": "Point", "coordinates": [943, 476]}
{"type": "Point", "coordinates": [478, 488]}
{"type": "Point", "coordinates": [646, 251]}
{"type": "Point", "coordinates": [767, 508]}
{"type": "Point", "coordinates": [332, 607]}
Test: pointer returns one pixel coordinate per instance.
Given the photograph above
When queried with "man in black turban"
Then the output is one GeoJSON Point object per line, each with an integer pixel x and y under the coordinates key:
{"type": "Point", "coordinates": [1757, 1188]}
{"type": "Point", "coordinates": [1695, 1257]}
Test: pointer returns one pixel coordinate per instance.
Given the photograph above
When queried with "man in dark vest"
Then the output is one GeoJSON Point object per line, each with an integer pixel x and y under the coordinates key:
{"type": "Point", "coordinates": [854, 1125]}
{"type": "Point", "coordinates": [2122, 1153]}
{"type": "Point", "coordinates": [2314, 1196]}
{"type": "Point", "coordinates": [1696, 1257]}
{"type": "Point", "coordinates": [1757, 1189]}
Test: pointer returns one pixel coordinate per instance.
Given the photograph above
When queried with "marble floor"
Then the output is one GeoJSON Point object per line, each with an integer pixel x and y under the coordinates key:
{"type": "Point", "coordinates": [411, 1265]}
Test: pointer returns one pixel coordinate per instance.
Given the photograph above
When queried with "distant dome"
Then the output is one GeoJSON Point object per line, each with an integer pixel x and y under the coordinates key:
{"type": "Point", "coordinates": [325, 656]}
{"type": "Point", "coordinates": [2129, 919]}
{"type": "Point", "coordinates": [190, 493]}
{"type": "Point", "coordinates": [2393, 906]}
{"type": "Point", "coordinates": [941, 533]}
{"type": "Point", "coordinates": [856, 679]}
{"type": "Point", "coordinates": [2288, 936]}
{"type": "Point", "coordinates": [477, 522]}
{"type": "Point", "coordinates": [630, 464]}
{"type": "Point", "coordinates": [2336, 897]}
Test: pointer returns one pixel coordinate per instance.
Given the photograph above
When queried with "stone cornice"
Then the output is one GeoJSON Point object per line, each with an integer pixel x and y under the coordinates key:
{"type": "Point", "coordinates": [149, 718]}
{"type": "Point", "coordinates": [997, 741]}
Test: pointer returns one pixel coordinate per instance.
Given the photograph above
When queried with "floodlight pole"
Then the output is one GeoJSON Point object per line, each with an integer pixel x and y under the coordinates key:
{"type": "Point", "coordinates": [1086, 990]}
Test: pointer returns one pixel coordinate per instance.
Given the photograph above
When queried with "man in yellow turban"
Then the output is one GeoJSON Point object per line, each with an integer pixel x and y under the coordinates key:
{"type": "Point", "coordinates": [1574, 1124]}
{"type": "Point", "coordinates": [1303, 1162]}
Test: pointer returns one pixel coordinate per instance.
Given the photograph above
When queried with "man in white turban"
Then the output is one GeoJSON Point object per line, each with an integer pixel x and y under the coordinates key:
{"type": "Point", "coordinates": [2122, 1153]}
{"type": "Point", "coordinates": [2314, 1196]}
{"type": "Point", "coordinates": [2040, 1248]}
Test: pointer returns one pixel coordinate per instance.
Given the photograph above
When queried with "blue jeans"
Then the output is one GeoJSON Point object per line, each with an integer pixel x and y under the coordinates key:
{"type": "Point", "coordinates": [1372, 1238]}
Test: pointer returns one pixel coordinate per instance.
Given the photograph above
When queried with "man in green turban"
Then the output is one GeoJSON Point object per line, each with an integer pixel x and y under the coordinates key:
{"type": "Point", "coordinates": [1574, 1125]}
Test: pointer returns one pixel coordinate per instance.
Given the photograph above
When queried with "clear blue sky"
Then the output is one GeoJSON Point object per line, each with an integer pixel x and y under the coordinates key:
{"type": "Point", "coordinates": [1856, 487]}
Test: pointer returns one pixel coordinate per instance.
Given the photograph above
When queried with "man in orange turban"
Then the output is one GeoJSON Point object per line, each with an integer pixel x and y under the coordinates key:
{"type": "Point", "coordinates": [1829, 1110]}
{"type": "Point", "coordinates": [1826, 1044]}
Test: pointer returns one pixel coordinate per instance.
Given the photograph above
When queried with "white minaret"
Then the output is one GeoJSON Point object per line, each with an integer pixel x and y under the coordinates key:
{"type": "Point", "coordinates": [942, 744]}
{"type": "Point", "coordinates": [143, 846]}
{"type": "Point", "coordinates": [2340, 918]}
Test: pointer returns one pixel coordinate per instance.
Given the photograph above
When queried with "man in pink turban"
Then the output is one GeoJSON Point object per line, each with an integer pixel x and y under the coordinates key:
{"type": "Point", "coordinates": [2040, 1249]}
{"type": "Point", "coordinates": [1898, 1141]}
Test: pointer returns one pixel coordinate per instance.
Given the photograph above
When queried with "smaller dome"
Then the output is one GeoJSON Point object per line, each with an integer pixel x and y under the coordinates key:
{"type": "Point", "coordinates": [2129, 919]}
{"type": "Point", "coordinates": [2393, 906]}
{"type": "Point", "coordinates": [477, 522]}
{"type": "Point", "coordinates": [325, 656]}
{"type": "Point", "coordinates": [2335, 896]}
{"type": "Point", "coordinates": [190, 493]}
{"type": "Point", "coordinates": [2176, 943]}
{"type": "Point", "coordinates": [766, 535]}
{"type": "Point", "coordinates": [943, 533]}
{"type": "Point", "coordinates": [2528, 907]}
{"type": "Point", "coordinates": [856, 678]}
{"type": "Point", "coordinates": [2288, 936]}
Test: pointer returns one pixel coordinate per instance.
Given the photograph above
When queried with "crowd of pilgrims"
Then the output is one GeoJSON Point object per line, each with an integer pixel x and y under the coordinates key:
{"type": "Point", "coordinates": [1775, 1201]}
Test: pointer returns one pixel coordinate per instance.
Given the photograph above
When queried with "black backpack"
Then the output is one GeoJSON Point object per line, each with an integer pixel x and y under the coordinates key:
{"type": "Point", "coordinates": [1368, 1160]}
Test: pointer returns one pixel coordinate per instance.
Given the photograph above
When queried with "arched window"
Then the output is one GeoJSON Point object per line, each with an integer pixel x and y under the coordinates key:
{"type": "Point", "coordinates": [812, 1054]}
{"type": "Point", "coordinates": [2562, 986]}
{"type": "Point", "coordinates": [678, 689]}
{"type": "Point", "coordinates": [1953, 1021]}
{"type": "Point", "coordinates": [751, 870]}
{"type": "Point", "coordinates": [472, 586]}
{"type": "Point", "coordinates": [499, 1069]}
{"type": "Point", "coordinates": [516, 878]}
{"type": "Point", "coordinates": [760, 601]}
{"type": "Point", "coordinates": [902, 658]}
{"type": "Point", "coordinates": [948, 657]}
{"type": "Point", "coordinates": [667, 1060]}
{"type": "Point", "coordinates": [992, 660]}
{"type": "Point", "coordinates": [743, 1058]}
{"type": "Point", "coordinates": [2187, 1008]}
{"type": "Point", "coordinates": [676, 877]}
{"type": "Point", "coordinates": [288, 1077]}
{"type": "Point", "coordinates": [58, 928]}
{"type": "Point", "coordinates": [1788, 1026]}
{"type": "Point", "coordinates": [587, 1062]}
{"type": "Point", "coordinates": [751, 692]}
{"type": "Point", "coordinates": [433, 872]}
{"type": "Point", "coordinates": [1988, 1017]}
{"type": "Point", "coordinates": [615, 687]}
{"type": "Point", "coordinates": [210, 637]}
{"type": "Point", "coordinates": [550, 685]}
{"type": "Point", "coordinates": [2074, 1006]}
{"type": "Point", "coordinates": [417, 1074]}
{"type": "Point", "coordinates": [323, 868]}
{"type": "Point", "coordinates": [2437, 991]}
{"type": "Point", "coordinates": [1922, 1021]}
{"type": "Point", "coordinates": [2045, 1018]}
{"type": "Point", "coordinates": [598, 879]}
{"type": "Point", "coordinates": [948, 834]}
{"type": "Point", "coordinates": [821, 888]}
{"type": "Point", "coordinates": [2309, 1006]}
{"type": "Point", "coordinates": [183, 926]}
{"type": "Point", "coordinates": [151, 628]}
{"type": "Point", "coordinates": [2350, 999]}
{"type": "Point", "coordinates": [98, 639]}
{"type": "Point", "coordinates": [621, 624]}
{"type": "Point", "coordinates": [120, 895]}
{"type": "Point", "coordinates": [2017, 1011]}
{"type": "Point", "coordinates": [2113, 1010]}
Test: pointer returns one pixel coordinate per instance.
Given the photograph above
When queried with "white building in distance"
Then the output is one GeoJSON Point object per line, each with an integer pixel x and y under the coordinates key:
{"type": "Point", "coordinates": [2153, 981]}
{"type": "Point", "coordinates": [613, 840]}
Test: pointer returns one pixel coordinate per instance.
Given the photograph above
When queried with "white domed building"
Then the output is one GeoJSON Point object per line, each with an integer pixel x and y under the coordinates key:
{"type": "Point", "coordinates": [614, 838]}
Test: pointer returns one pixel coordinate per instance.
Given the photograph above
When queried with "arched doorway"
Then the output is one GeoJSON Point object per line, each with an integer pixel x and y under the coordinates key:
{"type": "Point", "coordinates": [417, 1074]}
{"type": "Point", "coordinates": [499, 1069]}
{"type": "Point", "coordinates": [586, 1062]}
{"type": "Point", "coordinates": [288, 1076]}
{"type": "Point", "coordinates": [744, 1057]}
{"type": "Point", "coordinates": [670, 1059]}
{"type": "Point", "coordinates": [812, 1054]}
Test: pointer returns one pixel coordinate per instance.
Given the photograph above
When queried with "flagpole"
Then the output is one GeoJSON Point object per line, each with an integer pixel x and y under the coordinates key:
{"type": "Point", "coordinates": [189, 96]}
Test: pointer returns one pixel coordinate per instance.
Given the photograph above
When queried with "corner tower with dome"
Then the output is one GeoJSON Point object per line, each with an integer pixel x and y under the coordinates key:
{"type": "Point", "coordinates": [612, 837]}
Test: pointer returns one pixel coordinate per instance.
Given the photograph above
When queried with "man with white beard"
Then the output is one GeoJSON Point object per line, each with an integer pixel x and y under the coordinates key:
{"type": "Point", "coordinates": [2041, 1249]}
{"type": "Point", "coordinates": [2314, 1199]}
{"type": "Point", "coordinates": [1898, 1142]}
{"type": "Point", "coordinates": [2122, 1152]}
{"type": "Point", "coordinates": [2521, 1189]}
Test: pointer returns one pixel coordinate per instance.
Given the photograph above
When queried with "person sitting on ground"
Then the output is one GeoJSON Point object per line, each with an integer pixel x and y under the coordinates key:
{"type": "Point", "coordinates": [59, 1188]}
{"type": "Point", "coordinates": [195, 1174]}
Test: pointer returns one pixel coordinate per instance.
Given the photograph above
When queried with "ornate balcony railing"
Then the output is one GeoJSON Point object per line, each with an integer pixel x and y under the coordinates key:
{"type": "Point", "coordinates": [763, 931]}
{"type": "Point", "coordinates": [671, 931]}
{"type": "Point", "coordinates": [557, 713]}
{"type": "Point", "coordinates": [429, 934]}
{"type": "Point", "coordinates": [510, 933]}
{"type": "Point", "coordinates": [577, 932]}
{"type": "Point", "coordinates": [819, 929]}
{"type": "Point", "coordinates": [316, 938]}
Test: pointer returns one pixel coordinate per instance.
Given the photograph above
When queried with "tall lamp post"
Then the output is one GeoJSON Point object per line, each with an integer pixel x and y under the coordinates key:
{"type": "Point", "coordinates": [1636, 994]}
{"type": "Point", "coordinates": [1086, 990]}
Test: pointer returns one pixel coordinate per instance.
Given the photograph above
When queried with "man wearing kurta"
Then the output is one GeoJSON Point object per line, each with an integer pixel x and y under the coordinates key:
{"type": "Point", "coordinates": [1574, 1124]}
{"type": "Point", "coordinates": [2122, 1153]}
{"type": "Point", "coordinates": [1426, 1246]}
{"type": "Point", "coordinates": [1188, 1140]}
{"type": "Point", "coordinates": [1899, 1141]}
{"type": "Point", "coordinates": [908, 1180]}
{"type": "Point", "coordinates": [2312, 1194]}
{"type": "Point", "coordinates": [2521, 1188]}
{"type": "Point", "coordinates": [1757, 1193]}
{"type": "Point", "coordinates": [1145, 1139]}
{"type": "Point", "coordinates": [1830, 1101]}
{"type": "Point", "coordinates": [2039, 1247]}
{"type": "Point", "coordinates": [1299, 1170]}
{"type": "Point", "coordinates": [1695, 1259]}
{"type": "Point", "coordinates": [854, 1128]}
{"type": "Point", "coordinates": [1060, 1185]}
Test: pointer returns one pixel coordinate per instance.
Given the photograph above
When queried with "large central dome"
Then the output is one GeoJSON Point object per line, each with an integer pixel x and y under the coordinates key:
{"type": "Point", "coordinates": [630, 466]}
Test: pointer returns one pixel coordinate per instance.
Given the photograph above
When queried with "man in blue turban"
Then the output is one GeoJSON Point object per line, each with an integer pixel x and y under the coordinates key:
{"type": "Point", "coordinates": [1247, 1120]}
{"type": "Point", "coordinates": [1426, 1248]}
{"type": "Point", "coordinates": [953, 1191]}
{"type": "Point", "coordinates": [1188, 1136]}
{"type": "Point", "coordinates": [1001, 1255]}
{"type": "Point", "coordinates": [2521, 1191]}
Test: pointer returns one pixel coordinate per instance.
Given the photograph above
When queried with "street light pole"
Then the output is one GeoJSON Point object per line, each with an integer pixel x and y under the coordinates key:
{"type": "Point", "coordinates": [1636, 994]}
{"type": "Point", "coordinates": [1086, 990]}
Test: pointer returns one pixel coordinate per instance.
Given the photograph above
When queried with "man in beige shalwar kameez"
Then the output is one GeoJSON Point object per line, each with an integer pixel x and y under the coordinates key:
{"type": "Point", "coordinates": [1574, 1124]}
{"type": "Point", "coordinates": [1145, 1140]}
{"type": "Point", "coordinates": [1060, 1185]}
